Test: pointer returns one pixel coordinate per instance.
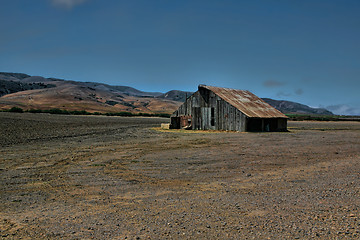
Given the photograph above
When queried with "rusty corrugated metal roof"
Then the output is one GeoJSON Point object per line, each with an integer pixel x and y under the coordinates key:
{"type": "Point", "coordinates": [248, 103]}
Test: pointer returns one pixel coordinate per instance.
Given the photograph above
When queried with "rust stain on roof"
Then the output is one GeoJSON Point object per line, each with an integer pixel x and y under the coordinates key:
{"type": "Point", "coordinates": [248, 103]}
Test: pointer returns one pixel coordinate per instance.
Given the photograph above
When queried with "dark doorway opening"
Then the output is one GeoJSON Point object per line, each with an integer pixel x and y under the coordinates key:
{"type": "Point", "coordinates": [262, 125]}
{"type": "Point", "coordinates": [212, 117]}
{"type": "Point", "coordinates": [254, 125]}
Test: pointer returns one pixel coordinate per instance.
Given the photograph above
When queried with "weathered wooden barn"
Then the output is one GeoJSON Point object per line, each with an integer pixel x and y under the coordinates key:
{"type": "Point", "coordinates": [215, 108]}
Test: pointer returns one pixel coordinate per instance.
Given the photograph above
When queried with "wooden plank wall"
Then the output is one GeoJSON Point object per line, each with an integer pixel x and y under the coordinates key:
{"type": "Point", "coordinates": [282, 124]}
{"type": "Point", "coordinates": [186, 107]}
{"type": "Point", "coordinates": [226, 117]}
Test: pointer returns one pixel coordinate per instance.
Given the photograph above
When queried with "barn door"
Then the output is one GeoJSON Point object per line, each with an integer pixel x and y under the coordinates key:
{"type": "Point", "coordinates": [206, 118]}
{"type": "Point", "coordinates": [196, 118]}
{"type": "Point", "coordinates": [201, 118]}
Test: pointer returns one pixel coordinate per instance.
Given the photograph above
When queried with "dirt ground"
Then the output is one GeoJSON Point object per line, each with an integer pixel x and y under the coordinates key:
{"type": "Point", "coordinates": [97, 177]}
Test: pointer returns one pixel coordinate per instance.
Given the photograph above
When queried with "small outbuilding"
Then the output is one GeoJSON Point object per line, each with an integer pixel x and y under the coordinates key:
{"type": "Point", "coordinates": [215, 108]}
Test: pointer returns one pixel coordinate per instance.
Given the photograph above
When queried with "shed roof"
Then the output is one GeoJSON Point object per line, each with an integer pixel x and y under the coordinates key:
{"type": "Point", "coordinates": [248, 103]}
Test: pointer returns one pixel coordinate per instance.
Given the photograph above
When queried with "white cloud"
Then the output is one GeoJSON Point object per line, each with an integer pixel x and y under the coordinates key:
{"type": "Point", "coordinates": [67, 4]}
{"type": "Point", "coordinates": [343, 109]}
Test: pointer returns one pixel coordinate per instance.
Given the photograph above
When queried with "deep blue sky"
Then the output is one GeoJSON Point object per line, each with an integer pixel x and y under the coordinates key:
{"type": "Point", "coordinates": [306, 51]}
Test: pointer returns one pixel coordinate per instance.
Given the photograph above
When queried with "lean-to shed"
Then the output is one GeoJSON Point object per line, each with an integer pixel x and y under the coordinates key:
{"type": "Point", "coordinates": [215, 108]}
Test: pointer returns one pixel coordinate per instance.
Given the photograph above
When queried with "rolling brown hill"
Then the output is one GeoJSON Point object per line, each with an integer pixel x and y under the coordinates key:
{"type": "Point", "coordinates": [35, 92]}
{"type": "Point", "coordinates": [23, 91]}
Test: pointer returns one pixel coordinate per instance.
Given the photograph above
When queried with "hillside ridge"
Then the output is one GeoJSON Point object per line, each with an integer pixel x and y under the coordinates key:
{"type": "Point", "coordinates": [36, 92]}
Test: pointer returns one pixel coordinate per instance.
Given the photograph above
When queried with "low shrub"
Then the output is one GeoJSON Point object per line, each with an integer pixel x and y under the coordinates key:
{"type": "Point", "coordinates": [82, 112]}
{"type": "Point", "coordinates": [164, 115]}
{"type": "Point", "coordinates": [16, 109]}
{"type": "Point", "coordinates": [56, 111]}
{"type": "Point", "coordinates": [126, 114]}
{"type": "Point", "coordinates": [35, 111]}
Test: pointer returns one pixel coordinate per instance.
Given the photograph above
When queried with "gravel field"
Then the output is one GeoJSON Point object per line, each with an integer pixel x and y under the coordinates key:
{"type": "Point", "coordinates": [98, 177]}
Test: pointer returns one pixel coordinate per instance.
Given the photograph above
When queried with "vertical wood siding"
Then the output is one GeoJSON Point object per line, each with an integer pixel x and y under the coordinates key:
{"type": "Point", "coordinates": [199, 105]}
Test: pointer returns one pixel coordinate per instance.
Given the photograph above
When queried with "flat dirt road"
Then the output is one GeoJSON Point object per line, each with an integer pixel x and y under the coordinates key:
{"type": "Point", "coordinates": [97, 177]}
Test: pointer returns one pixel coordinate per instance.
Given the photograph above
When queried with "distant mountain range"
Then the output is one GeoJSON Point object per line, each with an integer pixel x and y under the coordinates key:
{"type": "Point", "coordinates": [35, 92]}
{"type": "Point", "coordinates": [295, 108]}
